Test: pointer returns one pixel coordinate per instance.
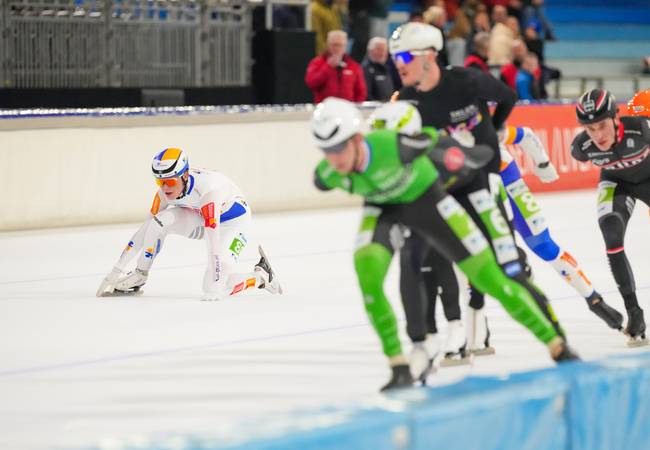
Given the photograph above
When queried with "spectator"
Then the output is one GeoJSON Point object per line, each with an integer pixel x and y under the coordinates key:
{"type": "Point", "coordinates": [342, 10]}
{"type": "Point", "coordinates": [470, 8]}
{"type": "Point", "coordinates": [334, 73]}
{"type": "Point", "coordinates": [533, 40]}
{"type": "Point", "coordinates": [534, 10]}
{"type": "Point", "coordinates": [480, 50]}
{"type": "Point", "coordinates": [528, 84]}
{"type": "Point", "coordinates": [516, 10]}
{"type": "Point", "coordinates": [359, 27]}
{"type": "Point", "coordinates": [382, 79]}
{"type": "Point", "coordinates": [480, 22]}
{"type": "Point", "coordinates": [456, 48]}
{"type": "Point", "coordinates": [323, 20]}
{"type": "Point", "coordinates": [513, 24]}
{"type": "Point", "coordinates": [509, 71]}
{"type": "Point", "coordinates": [437, 17]}
{"type": "Point", "coordinates": [499, 15]}
{"type": "Point", "coordinates": [536, 45]}
{"type": "Point", "coordinates": [501, 37]}
{"type": "Point", "coordinates": [287, 17]}
{"type": "Point", "coordinates": [646, 65]}
{"type": "Point", "coordinates": [379, 17]}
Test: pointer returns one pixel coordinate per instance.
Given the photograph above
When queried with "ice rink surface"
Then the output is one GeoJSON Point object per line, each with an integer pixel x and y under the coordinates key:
{"type": "Point", "coordinates": [76, 370]}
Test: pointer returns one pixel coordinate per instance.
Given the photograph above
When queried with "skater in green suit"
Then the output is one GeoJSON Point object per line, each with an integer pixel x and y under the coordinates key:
{"type": "Point", "coordinates": [397, 177]}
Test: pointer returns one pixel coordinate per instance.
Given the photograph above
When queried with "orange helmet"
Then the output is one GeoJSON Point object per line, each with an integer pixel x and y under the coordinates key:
{"type": "Point", "coordinates": [639, 105]}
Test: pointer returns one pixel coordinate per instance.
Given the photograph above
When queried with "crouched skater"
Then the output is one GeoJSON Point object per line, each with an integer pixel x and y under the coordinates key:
{"type": "Point", "coordinates": [197, 204]}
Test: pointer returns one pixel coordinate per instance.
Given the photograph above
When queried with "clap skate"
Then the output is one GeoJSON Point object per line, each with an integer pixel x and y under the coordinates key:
{"type": "Point", "coordinates": [635, 328]}
{"type": "Point", "coordinates": [130, 284]}
{"type": "Point", "coordinates": [269, 280]}
{"type": "Point", "coordinates": [455, 349]}
{"type": "Point", "coordinates": [612, 318]}
{"type": "Point", "coordinates": [400, 378]}
{"type": "Point", "coordinates": [478, 333]}
{"type": "Point", "coordinates": [565, 352]}
{"type": "Point", "coordinates": [422, 358]}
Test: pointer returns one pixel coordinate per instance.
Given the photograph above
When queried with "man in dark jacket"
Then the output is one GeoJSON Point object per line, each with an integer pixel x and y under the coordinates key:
{"type": "Point", "coordinates": [479, 56]}
{"type": "Point", "coordinates": [334, 73]}
{"type": "Point", "coordinates": [379, 70]}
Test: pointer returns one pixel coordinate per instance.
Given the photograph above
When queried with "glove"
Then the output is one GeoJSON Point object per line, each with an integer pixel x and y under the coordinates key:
{"type": "Point", "coordinates": [108, 284]}
{"type": "Point", "coordinates": [546, 172]}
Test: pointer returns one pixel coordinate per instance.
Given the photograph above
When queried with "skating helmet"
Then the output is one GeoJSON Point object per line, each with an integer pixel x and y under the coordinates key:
{"type": "Point", "coordinates": [414, 36]}
{"type": "Point", "coordinates": [639, 105]}
{"type": "Point", "coordinates": [595, 105]}
{"type": "Point", "coordinates": [334, 122]}
{"type": "Point", "coordinates": [399, 116]}
{"type": "Point", "coordinates": [171, 162]}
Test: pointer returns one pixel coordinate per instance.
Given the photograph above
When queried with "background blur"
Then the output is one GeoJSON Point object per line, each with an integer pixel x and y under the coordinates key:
{"type": "Point", "coordinates": [107, 53]}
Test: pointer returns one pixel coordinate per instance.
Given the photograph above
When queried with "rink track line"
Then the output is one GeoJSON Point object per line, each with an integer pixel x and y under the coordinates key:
{"type": "Point", "coordinates": [129, 356]}
{"type": "Point", "coordinates": [126, 357]}
{"type": "Point", "coordinates": [185, 266]}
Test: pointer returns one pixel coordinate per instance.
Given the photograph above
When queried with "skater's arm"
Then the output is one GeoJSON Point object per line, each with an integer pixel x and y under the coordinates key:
{"type": "Point", "coordinates": [533, 147]}
{"type": "Point", "coordinates": [457, 157]}
{"type": "Point", "coordinates": [326, 178]}
{"type": "Point", "coordinates": [131, 249]}
{"type": "Point", "coordinates": [491, 89]}
{"type": "Point", "coordinates": [412, 146]}
{"type": "Point", "coordinates": [135, 243]}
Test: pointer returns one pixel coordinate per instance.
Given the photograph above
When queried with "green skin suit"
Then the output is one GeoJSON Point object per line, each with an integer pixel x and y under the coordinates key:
{"type": "Point", "coordinates": [400, 185]}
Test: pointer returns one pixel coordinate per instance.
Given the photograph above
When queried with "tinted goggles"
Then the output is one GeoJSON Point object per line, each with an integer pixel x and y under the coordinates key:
{"type": "Point", "coordinates": [408, 56]}
{"type": "Point", "coordinates": [171, 182]}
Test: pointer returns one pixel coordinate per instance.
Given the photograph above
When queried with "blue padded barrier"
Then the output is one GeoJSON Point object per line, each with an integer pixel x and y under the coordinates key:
{"type": "Point", "coordinates": [576, 406]}
{"type": "Point", "coordinates": [523, 413]}
{"type": "Point", "coordinates": [610, 404]}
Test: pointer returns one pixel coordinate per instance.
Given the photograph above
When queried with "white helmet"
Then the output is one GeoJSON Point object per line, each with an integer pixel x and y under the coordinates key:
{"type": "Point", "coordinates": [415, 36]}
{"type": "Point", "coordinates": [399, 116]}
{"type": "Point", "coordinates": [171, 162]}
{"type": "Point", "coordinates": [334, 122]}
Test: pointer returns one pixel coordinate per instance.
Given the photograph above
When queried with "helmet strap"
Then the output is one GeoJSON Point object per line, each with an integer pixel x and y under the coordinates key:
{"type": "Point", "coordinates": [427, 69]}
{"type": "Point", "coordinates": [616, 130]}
{"type": "Point", "coordinates": [184, 191]}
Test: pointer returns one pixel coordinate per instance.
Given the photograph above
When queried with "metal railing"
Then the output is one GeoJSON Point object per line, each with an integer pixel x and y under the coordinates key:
{"type": "Point", "coordinates": [620, 85]}
{"type": "Point", "coordinates": [124, 43]}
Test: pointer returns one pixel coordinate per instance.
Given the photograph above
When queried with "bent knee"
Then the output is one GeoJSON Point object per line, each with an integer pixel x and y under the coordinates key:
{"type": "Point", "coordinates": [371, 264]}
{"type": "Point", "coordinates": [543, 246]}
{"type": "Point", "coordinates": [612, 227]}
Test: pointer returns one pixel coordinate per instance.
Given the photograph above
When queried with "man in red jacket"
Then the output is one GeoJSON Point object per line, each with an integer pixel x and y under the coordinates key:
{"type": "Point", "coordinates": [334, 73]}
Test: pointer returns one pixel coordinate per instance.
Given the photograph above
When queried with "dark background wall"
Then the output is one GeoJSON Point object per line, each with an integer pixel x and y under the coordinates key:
{"type": "Point", "coordinates": [280, 60]}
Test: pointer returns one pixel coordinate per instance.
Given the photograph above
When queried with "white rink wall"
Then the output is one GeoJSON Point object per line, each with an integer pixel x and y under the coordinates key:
{"type": "Point", "coordinates": [68, 171]}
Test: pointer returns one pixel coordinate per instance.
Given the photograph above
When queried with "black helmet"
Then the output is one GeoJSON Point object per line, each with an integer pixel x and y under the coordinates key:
{"type": "Point", "coordinates": [595, 105]}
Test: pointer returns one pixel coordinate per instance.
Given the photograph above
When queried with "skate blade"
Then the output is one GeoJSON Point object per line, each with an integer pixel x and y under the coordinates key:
{"type": "Point", "coordinates": [122, 294]}
{"type": "Point", "coordinates": [455, 361]}
{"type": "Point", "coordinates": [430, 370]}
{"type": "Point", "coordinates": [483, 351]}
{"type": "Point", "coordinates": [263, 255]}
{"type": "Point", "coordinates": [637, 342]}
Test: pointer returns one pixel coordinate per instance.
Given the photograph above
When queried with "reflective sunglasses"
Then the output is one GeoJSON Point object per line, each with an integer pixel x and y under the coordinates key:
{"type": "Point", "coordinates": [407, 56]}
{"type": "Point", "coordinates": [171, 182]}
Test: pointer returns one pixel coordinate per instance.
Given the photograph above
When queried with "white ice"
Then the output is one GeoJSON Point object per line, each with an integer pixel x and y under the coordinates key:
{"type": "Point", "coordinates": [76, 370]}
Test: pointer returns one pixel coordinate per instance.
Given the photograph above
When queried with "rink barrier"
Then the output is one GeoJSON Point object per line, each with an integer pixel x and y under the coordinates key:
{"type": "Point", "coordinates": [91, 166]}
{"type": "Point", "coordinates": [577, 406]}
